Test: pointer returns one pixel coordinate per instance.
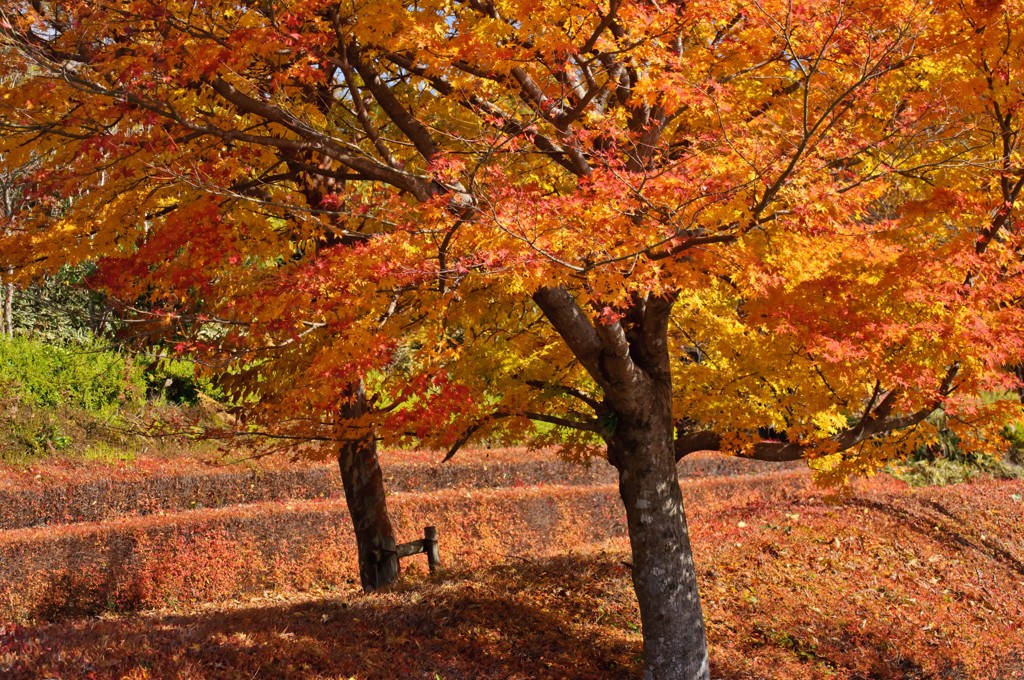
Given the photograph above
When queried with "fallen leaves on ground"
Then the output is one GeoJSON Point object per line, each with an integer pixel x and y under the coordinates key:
{"type": "Point", "coordinates": [891, 583]}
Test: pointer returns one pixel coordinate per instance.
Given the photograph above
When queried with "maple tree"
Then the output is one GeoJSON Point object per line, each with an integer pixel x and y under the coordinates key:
{"type": "Point", "coordinates": [778, 229]}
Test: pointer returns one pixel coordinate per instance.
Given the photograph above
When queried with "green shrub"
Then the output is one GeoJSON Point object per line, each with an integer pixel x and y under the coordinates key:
{"type": "Point", "coordinates": [87, 402]}
{"type": "Point", "coordinates": [946, 462]}
{"type": "Point", "coordinates": [60, 309]}
{"type": "Point", "coordinates": [944, 471]}
{"type": "Point", "coordinates": [86, 377]}
{"type": "Point", "coordinates": [1014, 433]}
{"type": "Point", "coordinates": [174, 380]}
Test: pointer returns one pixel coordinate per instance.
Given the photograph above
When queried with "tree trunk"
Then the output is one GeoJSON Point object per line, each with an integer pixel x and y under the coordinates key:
{"type": "Point", "coordinates": [664, 578]}
{"type": "Point", "coordinates": [364, 493]}
{"type": "Point", "coordinates": [629, 359]}
{"type": "Point", "coordinates": [9, 309]}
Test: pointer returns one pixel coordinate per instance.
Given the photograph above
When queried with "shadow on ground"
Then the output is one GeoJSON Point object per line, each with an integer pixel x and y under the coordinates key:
{"type": "Point", "coordinates": [888, 585]}
{"type": "Point", "coordinates": [549, 619]}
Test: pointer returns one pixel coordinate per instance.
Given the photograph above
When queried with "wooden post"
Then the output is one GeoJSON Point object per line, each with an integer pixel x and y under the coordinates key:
{"type": "Point", "coordinates": [427, 544]}
{"type": "Point", "coordinates": [387, 564]}
{"type": "Point", "coordinates": [430, 547]}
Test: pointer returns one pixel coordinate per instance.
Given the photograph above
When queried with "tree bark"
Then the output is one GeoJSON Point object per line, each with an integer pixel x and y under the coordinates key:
{"type": "Point", "coordinates": [364, 493]}
{"type": "Point", "coordinates": [3, 306]}
{"type": "Point", "coordinates": [629, 360]}
{"type": "Point", "coordinates": [9, 310]}
{"type": "Point", "coordinates": [664, 577]}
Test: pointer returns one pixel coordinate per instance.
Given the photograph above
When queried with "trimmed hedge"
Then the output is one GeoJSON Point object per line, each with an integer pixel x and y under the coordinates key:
{"type": "Point", "coordinates": [102, 499]}
{"type": "Point", "coordinates": [217, 554]}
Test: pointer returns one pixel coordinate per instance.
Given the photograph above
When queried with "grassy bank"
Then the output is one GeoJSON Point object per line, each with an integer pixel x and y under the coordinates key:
{"type": "Point", "coordinates": [83, 401]}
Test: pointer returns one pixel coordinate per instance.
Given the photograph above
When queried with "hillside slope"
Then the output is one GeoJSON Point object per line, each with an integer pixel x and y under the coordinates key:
{"type": "Point", "coordinates": [891, 582]}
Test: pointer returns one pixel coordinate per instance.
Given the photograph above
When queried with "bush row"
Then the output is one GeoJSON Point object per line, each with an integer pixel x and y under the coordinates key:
{"type": "Point", "coordinates": [101, 499]}
{"type": "Point", "coordinates": [891, 583]}
{"type": "Point", "coordinates": [211, 555]}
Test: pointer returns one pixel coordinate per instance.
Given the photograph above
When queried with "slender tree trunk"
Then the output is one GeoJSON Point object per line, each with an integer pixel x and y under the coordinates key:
{"type": "Point", "coordinates": [664, 577]}
{"type": "Point", "coordinates": [364, 493]}
{"type": "Point", "coordinates": [3, 306]}
{"type": "Point", "coordinates": [9, 309]}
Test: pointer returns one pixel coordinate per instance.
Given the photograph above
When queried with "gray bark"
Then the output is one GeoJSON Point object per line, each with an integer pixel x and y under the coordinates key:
{"type": "Point", "coordinates": [9, 310]}
{"type": "Point", "coordinates": [664, 576]}
{"type": "Point", "coordinates": [7, 290]}
{"type": "Point", "coordinates": [629, 359]}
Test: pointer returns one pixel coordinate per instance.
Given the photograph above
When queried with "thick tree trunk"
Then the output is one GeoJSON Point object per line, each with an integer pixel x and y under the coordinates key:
{"type": "Point", "coordinates": [364, 493]}
{"type": "Point", "coordinates": [664, 577]}
{"type": "Point", "coordinates": [629, 359]}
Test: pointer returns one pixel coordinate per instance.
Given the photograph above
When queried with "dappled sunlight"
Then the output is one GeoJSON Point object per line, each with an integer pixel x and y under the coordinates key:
{"type": "Point", "coordinates": [795, 586]}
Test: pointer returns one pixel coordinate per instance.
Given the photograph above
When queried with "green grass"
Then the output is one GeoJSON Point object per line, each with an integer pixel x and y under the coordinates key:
{"type": "Point", "coordinates": [105, 452]}
{"type": "Point", "coordinates": [85, 401]}
{"type": "Point", "coordinates": [945, 471]}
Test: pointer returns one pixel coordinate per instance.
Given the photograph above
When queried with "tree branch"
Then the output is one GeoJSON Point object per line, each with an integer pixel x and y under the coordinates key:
{"type": "Point", "coordinates": [873, 423]}
{"type": "Point", "coordinates": [311, 140]}
{"type": "Point", "coordinates": [389, 104]}
{"type": "Point", "coordinates": [571, 391]}
{"type": "Point", "coordinates": [495, 115]}
{"type": "Point", "coordinates": [572, 324]}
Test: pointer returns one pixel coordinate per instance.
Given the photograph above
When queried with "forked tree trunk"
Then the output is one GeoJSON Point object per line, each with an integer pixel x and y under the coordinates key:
{"type": "Point", "coordinates": [629, 359]}
{"type": "Point", "coordinates": [364, 493]}
{"type": "Point", "coordinates": [664, 577]}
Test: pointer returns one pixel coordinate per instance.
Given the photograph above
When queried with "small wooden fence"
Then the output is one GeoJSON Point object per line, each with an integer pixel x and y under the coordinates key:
{"type": "Point", "coordinates": [427, 544]}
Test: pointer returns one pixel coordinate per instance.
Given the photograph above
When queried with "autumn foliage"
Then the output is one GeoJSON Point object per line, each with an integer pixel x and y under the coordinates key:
{"type": "Point", "coordinates": [784, 230]}
{"type": "Point", "coordinates": [830, 190]}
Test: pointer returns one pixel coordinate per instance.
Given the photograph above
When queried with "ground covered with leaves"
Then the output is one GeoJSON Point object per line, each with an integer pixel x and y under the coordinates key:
{"type": "Point", "coordinates": [890, 582]}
